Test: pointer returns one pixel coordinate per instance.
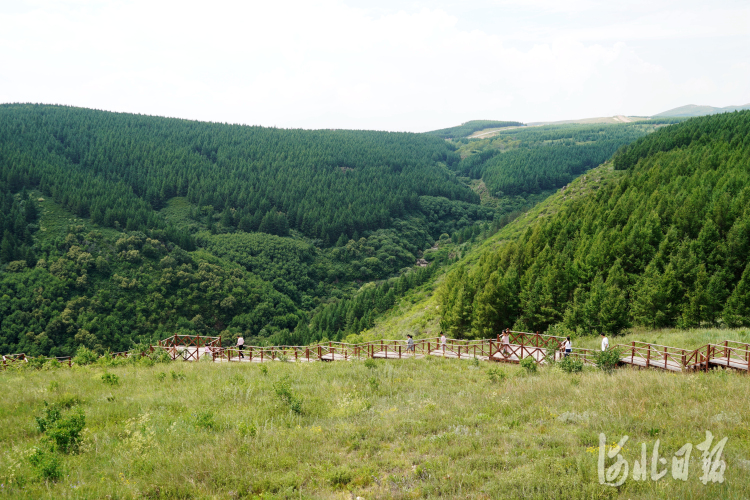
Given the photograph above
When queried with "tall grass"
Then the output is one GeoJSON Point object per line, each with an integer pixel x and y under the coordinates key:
{"type": "Point", "coordinates": [396, 429]}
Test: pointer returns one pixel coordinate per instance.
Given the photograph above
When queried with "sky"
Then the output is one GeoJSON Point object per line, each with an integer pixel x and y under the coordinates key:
{"type": "Point", "coordinates": [404, 65]}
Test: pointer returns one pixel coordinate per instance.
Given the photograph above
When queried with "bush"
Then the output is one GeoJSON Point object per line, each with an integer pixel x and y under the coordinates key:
{"type": "Point", "coordinates": [371, 363]}
{"type": "Point", "coordinates": [339, 477]}
{"type": "Point", "coordinates": [608, 360]}
{"type": "Point", "coordinates": [160, 356]}
{"type": "Point", "coordinates": [51, 415]}
{"type": "Point", "coordinates": [36, 362]}
{"type": "Point", "coordinates": [84, 356]}
{"type": "Point", "coordinates": [496, 374]}
{"type": "Point", "coordinates": [283, 390]}
{"type": "Point", "coordinates": [63, 433]}
{"type": "Point", "coordinates": [47, 464]}
{"type": "Point", "coordinates": [205, 420]}
{"type": "Point", "coordinates": [529, 364]}
{"type": "Point", "coordinates": [110, 379]}
{"type": "Point", "coordinates": [570, 364]}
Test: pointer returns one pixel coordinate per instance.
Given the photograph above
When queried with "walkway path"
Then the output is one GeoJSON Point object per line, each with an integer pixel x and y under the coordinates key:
{"type": "Point", "coordinates": [541, 348]}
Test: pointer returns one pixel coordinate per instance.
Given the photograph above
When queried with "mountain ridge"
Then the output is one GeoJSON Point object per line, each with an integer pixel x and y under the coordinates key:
{"type": "Point", "coordinates": [692, 110]}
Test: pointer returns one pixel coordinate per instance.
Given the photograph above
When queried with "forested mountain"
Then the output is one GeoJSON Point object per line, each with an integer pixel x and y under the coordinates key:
{"type": "Point", "coordinates": [119, 228]}
{"type": "Point", "coordinates": [548, 157]}
{"type": "Point", "coordinates": [117, 168]}
{"type": "Point", "coordinates": [468, 128]}
{"type": "Point", "coordinates": [667, 244]}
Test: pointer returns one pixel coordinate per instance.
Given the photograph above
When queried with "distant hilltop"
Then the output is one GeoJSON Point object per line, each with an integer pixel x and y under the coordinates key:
{"type": "Point", "coordinates": [695, 110]}
{"type": "Point", "coordinates": [470, 127]}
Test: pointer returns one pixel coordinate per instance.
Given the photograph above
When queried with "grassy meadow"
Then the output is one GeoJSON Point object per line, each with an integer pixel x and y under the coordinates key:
{"type": "Point", "coordinates": [377, 429]}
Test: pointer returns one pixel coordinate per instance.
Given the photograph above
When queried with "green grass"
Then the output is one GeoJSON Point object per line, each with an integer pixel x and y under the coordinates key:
{"type": "Point", "coordinates": [398, 429]}
{"type": "Point", "coordinates": [55, 221]}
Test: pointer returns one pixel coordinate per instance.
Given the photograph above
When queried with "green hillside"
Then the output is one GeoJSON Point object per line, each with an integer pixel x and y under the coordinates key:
{"type": "Point", "coordinates": [120, 228]}
{"type": "Point", "coordinates": [533, 160]}
{"type": "Point", "coordinates": [468, 128]}
{"type": "Point", "coordinates": [692, 110]}
{"type": "Point", "coordinates": [117, 168]}
{"type": "Point", "coordinates": [666, 244]}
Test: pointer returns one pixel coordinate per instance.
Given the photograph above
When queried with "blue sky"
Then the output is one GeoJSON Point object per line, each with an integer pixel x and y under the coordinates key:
{"type": "Point", "coordinates": [388, 65]}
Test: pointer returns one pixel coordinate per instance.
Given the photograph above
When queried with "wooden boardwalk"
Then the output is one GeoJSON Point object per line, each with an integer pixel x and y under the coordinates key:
{"type": "Point", "coordinates": [540, 348]}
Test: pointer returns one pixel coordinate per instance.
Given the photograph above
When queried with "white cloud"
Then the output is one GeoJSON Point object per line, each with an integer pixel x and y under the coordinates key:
{"type": "Point", "coordinates": [331, 64]}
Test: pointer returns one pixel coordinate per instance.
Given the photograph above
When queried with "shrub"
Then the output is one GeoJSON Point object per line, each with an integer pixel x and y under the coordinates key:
{"type": "Point", "coordinates": [205, 420]}
{"type": "Point", "coordinates": [63, 433]}
{"type": "Point", "coordinates": [141, 349]}
{"type": "Point", "coordinates": [110, 379]}
{"type": "Point", "coordinates": [284, 392]}
{"type": "Point", "coordinates": [248, 429]}
{"type": "Point", "coordinates": [46, 463]}
{"type": "Point", "coordinates": [496, 374]}
{"type": "Point", "coordinates": [570, 364]}
{"type": "Point", "coordinates": [160, 356]}
{"type": "Point", "coordinates": [608, 360]}
{"type": "Point", "coordinates": [36, 362]}
{"type": "Point", "coordinates": [51, 415]}
{"type": "Point", "coordinates": [529, 364]}
{"type": "Point", "coordinates": [339, 476]}
{"type": "Point", "coordinates": [374, 384]}
{"type": "Point", "coordinates": [68, 400]}
{"type": "Point", "coordinates": [84, 356]}
{"type": "Point", "coordinates": [371, 363]}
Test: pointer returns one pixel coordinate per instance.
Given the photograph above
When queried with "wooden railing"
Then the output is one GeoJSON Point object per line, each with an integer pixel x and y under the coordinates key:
{"type": "Point", "coordinates": [730, 354]}
{"type": "Point", "coordinates": [540, 348]}
{"type": "Point", "coordinates": [659, 356]}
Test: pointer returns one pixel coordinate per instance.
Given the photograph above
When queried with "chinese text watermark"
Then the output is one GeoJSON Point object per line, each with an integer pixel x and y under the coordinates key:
{"type": "Point", "coordinates": [615, 474]}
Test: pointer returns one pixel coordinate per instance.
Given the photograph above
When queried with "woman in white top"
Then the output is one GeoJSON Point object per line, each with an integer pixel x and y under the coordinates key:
{"type": "Point", "coordinates": [567, 347]}
{"type": "Point", "coordinates": [506, 342]}
{"type": "Point", "coordinates": [240, 345]}
{"type": "Point", "coordinates": [605, 342]}
{"type": "Point", "coordinates": [443, 341]}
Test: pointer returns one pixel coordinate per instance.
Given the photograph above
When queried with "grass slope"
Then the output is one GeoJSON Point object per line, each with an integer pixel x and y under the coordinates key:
{"type": "Point", "coordinates": [410, 429]}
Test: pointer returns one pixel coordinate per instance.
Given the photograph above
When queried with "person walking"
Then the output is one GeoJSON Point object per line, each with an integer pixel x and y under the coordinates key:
{"type": "Point", "coordinates": [241, 346]}
{"type": "Point", "coordinates": [567, 347]}
{"type": "Point", "coordinates": [443, 341]}
{"type": "Point", "coordinates": [506, 342]}
{"type": "Point", "coordinates": [605, 342]}
{"type": "Point", "coordinates": [410, 344]}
